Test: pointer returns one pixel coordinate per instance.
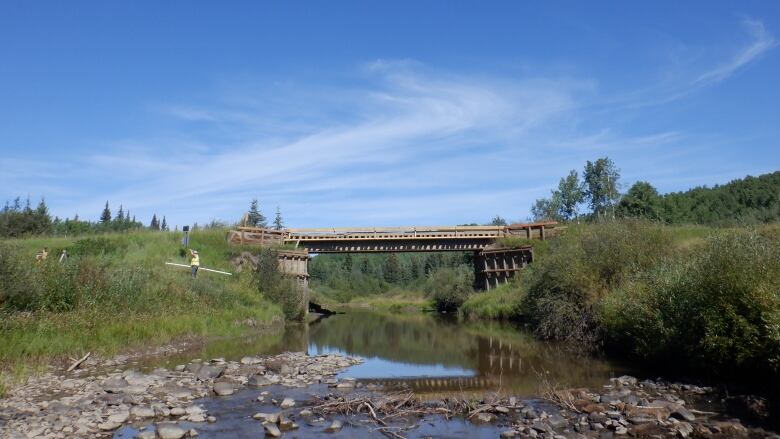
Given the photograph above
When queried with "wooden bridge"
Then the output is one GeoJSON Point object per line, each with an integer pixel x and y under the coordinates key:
{"type": "Point", "coordinates": [493, 264]}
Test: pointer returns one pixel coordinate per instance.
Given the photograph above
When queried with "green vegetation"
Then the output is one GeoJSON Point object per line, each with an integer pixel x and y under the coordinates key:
{"type": "Point", "coordinates": [450, 287]}
{"type": "Point", "coordinates": [703, 297]}
{"type": "Point", "coordinates": [345, 277]}
{"type": "Point", "coordinates": [752, 200]}
{"type": "Point", "coordinates": [114, 293]}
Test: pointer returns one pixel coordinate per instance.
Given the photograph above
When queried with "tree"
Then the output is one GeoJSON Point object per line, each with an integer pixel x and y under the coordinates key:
{"type": "Point", "coordinates": [392, 269]}
{"type": "Point", "coordinates": [641, 201]}
{"type": "Point", "coordinates": [155, 223]}
{"type": "Point", "coordinates": [570, 195]}
{"type": "Point", "coordinates": [498, 221]}
{"type": "Point", "coordinates": [105, 217]}
{"type": "Point", "coordinates": [601, 185]}
{"type": "Point", "coordinates": [278, 223]}
{"type": "Point", "coordinates": [164, 226]}
{"type": "Point", "coordinates": [347, 263]}
{"type": "Point", "coordinates": [546, 209]}
{"type": "Point", "coordinates": [256, 218]}
{"type": "Point", "coordinates": [120, 216]}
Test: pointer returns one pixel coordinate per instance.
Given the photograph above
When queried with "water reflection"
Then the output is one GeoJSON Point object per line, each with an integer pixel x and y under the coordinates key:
{"type": "Point", "coordinates": [428, 353]}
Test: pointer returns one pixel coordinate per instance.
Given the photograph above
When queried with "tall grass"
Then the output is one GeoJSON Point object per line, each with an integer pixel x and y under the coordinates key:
{"type": "Point", "coordinates": [114, 292]}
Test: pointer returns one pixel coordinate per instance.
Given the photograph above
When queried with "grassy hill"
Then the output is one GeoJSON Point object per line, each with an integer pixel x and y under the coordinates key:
{"type": "Point", "coordinates": [115, 293]}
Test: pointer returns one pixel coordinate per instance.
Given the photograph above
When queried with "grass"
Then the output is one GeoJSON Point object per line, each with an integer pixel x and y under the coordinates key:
{"type": "Point", "coordinates": [115, 293]}
{"type": "Point", "coordinates": [502, 303]}
{"type": "Point", "coordinates": [395, 300]}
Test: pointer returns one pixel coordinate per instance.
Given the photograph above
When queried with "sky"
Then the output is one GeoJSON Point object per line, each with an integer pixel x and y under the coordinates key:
{"type": "Point", "coordinates": [376, 113]}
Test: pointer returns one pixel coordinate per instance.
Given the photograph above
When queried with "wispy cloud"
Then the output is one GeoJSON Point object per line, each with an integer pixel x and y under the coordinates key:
{"type": "Point", "coordinates": [405, 143]}
{"type": "Point", "coordinates": [761, 42]}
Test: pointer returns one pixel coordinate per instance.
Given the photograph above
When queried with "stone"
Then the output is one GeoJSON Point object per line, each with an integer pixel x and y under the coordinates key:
{"type": "Point", "coordinates": [508, 434]}
{"type": "Point", "coordinates": [657, 413]}
{"type": "Point", "coordinates": [483, 418]}
{"type": "Point", "coordinates": [272, 430]}
{"type": "Point", "coordinates": [285, 424]}
{"type": "Point", "coordinates": [177, 411]}
{"type": "Point", "coordinates": [146, 435]}
{"type": "Point", "coordinates": [196, 418]}
{"type": "Point", "coordinates": [268, 417]}
{"type": "Point", "coordinates": [194, 410]}
{"type": "Point", "coordinates": [211, 419]}
{"type": "Point", "coordinates": [108, 426]}
{"type": "Point", "coordinates": [258, 381]}
{"type": "Point", "coordinates": [179, 368]}
{"type": "Point", "coordinates": [223, 389]}
{"type": "Point", "coordinates": [287, 403]}
{"type": "Point", "coordinates": [142, 412]}
{"type": "Point", "coordinates": [279, 366]}
{"type": "Point", "coordinates": [119, 417]}
{"type": "Point", "coordinates": [501, 409]}
{"type": "Point", "coordinates": [683, 414]}
{"type": "Point", "coordinates": [621, 430]}
{"type": "Point", "coordinates": [208, 372]}
{"type": "Point", "coordinates": [683, 429]}
{"type": "Point", "coordinates": [192, 432]}
{"type": "Point", "coordinates": [334, 426]}
{"type": "Point", "coordinates": [306, 413]}
{"type": "Point", "coordinates": [168, 430]}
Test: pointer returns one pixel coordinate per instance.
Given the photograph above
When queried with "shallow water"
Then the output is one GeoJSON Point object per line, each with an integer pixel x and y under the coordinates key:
{"type": "Point", "coordinates": [427, 352]}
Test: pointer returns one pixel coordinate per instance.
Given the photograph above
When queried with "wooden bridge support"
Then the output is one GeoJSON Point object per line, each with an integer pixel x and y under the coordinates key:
{"type": "Point", "coordinates": [496, 266]}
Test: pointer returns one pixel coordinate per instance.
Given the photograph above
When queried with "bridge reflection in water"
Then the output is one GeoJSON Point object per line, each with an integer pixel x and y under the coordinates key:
{"type": "Point", "coordinates": [429, 354]}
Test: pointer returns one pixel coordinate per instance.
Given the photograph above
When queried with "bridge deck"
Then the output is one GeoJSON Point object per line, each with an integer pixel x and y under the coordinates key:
{"type": "Point", "coordinates": [390, 239]}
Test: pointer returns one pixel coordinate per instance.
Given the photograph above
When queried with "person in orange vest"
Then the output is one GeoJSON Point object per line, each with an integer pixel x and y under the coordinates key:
{"type": "Point", "coordinates": [194, 263]}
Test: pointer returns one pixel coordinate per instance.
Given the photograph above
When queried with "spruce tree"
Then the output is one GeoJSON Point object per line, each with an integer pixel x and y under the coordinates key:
{"type": "Point", "coordinates": [155, 224]}
{"type": "Point", "coordinates": [256, 218]}
{"type": "Point", "coordinates": [105, 217]}
{"type": "Point", "coordinates": [120, 216]}
{"type": "Point", "coordinates": [278, 223]}
{"type": "Point", "coordinates": [164, 225]}
{"type": "Point", "coordinates": [392, 269]}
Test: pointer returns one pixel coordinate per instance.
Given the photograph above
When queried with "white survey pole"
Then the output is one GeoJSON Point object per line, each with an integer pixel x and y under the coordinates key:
{"type": "Point", "coordinates": [199, 269]}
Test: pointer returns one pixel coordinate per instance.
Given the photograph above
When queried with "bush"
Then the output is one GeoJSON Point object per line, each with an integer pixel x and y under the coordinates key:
{"type": "Point", "coordinates": [449, 288]}
{"type": "Point", "coordinates": [718, 308]}
{"type": "Point", "coordinates": [583, 266]}
{"type": "Point", "coordinates": [279, 288]}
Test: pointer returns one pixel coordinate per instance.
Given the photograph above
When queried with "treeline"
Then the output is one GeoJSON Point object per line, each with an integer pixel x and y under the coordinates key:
{"type": "Point", "coordinates": [18, 221]}
{"type": "Point", "coordinates": [752, 200]}
{"type": "Point", "coordinates": [345, 275]}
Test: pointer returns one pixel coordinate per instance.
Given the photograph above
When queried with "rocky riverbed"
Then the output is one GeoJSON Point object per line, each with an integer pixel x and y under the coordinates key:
{"type": "Point", "coordinates": [299, 395]}
{"type": "Point", "coordinates": [58, 405]}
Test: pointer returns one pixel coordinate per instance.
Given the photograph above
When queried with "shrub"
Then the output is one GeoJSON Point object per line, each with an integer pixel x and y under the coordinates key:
{"type": "Point", "coordinates": [583, 266]}
{"type": "Point", "coordinates": [17, 279]}
{"type": "Point", "coordinates": [449, 288]}
{"type": "Point", "coordinates": [279, 288]}
{"type": "Point", "coordinates": [719, 307]}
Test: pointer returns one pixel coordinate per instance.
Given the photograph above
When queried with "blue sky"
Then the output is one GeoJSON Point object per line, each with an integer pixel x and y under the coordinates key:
{"type": "Point", "coordinates": [367, 113]}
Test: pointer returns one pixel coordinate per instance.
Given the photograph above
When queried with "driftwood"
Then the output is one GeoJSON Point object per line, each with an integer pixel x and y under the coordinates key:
{"type": "Point", "coordinates": [79, 361]}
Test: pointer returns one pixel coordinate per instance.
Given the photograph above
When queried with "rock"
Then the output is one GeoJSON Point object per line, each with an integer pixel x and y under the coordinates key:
{"type": "Point", "coordinates": [168, 430]}
{"type": "Point", "coordinates": [272, 430]}
{"type": "Point", "coordinates": [279, 366]}
{"type": "Point", "coordinates": [657, 413]}
{"type": "Point", "coordinates": [683, 429]}
{"type": "Point", "coordinates": [115, 384]}
{"type": "Point", "coordinates": [287, 403]}
{"type": "Point", "coordinates": [346, 385]}
{"type": "Point", "coordinates": [211, 419]}
{"type": "Point", "coordinates": [177, 411]}
{"type": "Point", "coordinates": [621, 430]}
{"type": "Point", "coordinates": [501, 409]}
{"type": "Point", "coordinates": [146, 435]}
{"type": "Point", "coordinates": [109, 426]}
{"type": "Point", "coordinates": [268, 417]}
{"type": "Point", "coordinates": [223, 389]}
{"type": "Point", "coordinates": [683, 414]}
{"type": "Point", "coordinates": [179, 368]}
{"type": "Point", "coordinates": [731, 428]}
{"type": "Point", "coordinates": [142, 412]}
{"type": "Point", "coordinates": [285, 424]}
{"type": "Point", "coordinates": [334, 426]}
{"type": "Point", "coordinates": [483, 418]}
{"type": "Point", "coordinates": [119, 417]}
{"type": "Point", "coordinates": [507, 434]}
{"type": "Point", "coordinates": [194, 410]}
{"type": "Point", "coordinates": [305, 413]}
{"type": "Point", "coordinates": [192, 432]}
{"type": "Point", "coordinates": [196, 418]}
{"type": "Point", "coordinates": [258, 381]}
{"type": "Point", "coordinates": [208, 372]}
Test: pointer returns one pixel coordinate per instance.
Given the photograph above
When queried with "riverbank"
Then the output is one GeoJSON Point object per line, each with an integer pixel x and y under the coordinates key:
{"type": "Point", "coordinates": [303, 395]}
{"type": "Point", "coordinates": [114, 293]}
